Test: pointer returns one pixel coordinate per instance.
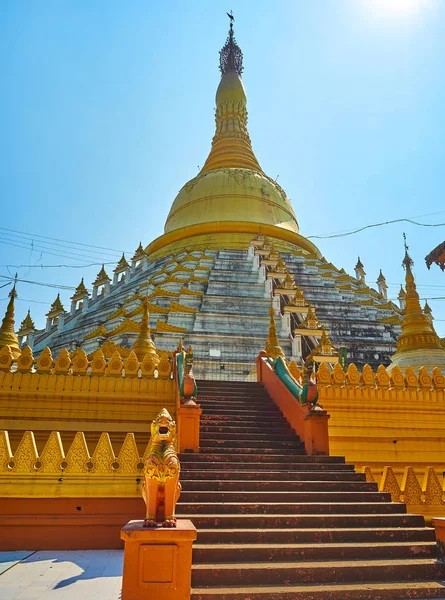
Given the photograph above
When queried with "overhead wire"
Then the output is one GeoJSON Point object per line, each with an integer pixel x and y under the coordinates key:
{"type": "Point", "coordinates": [36, 235]}
{"type": "Point", "coordinates": [50, 285]}
{"type": "Point", "coordinates": [95, 264]}
{"type": "Point", "coordinates": [59, 254]}
{"type": "Point", "coordinates": [353, 232]}
{"type": "Point", "coordinates": [27, 300]}
{"type": "Point", "coordinates": [44, 244]}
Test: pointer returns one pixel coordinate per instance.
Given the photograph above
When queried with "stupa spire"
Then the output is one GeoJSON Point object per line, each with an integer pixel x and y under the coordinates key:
{"type": "Point", "coordinates": [7, 333]}
{"type": "Point", "coordinates": [231, 145]}
{"type": "Point", "coordinates": [418, 338]}
{"type": "Point", "coordinates": [273, 347]}
{"type": "Point", "coordinates": [144, 344]}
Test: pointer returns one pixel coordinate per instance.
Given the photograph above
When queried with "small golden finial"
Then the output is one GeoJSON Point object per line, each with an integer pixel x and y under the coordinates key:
{"type": "Point", "coordinates": [298, 299]}
{"type": "Point", "coordinates": [273, 348]}
{"type": "Point", "coordinates": [289, 281]}
{"type": "Point", "coordinates": [310, 321]}
{"type": "Point", "coordinates": [417, 330]}
{"type": "Point", "coordinates": [144, 344]}
{"type": "Point", "coordinates": [407, 262]}
{"type": "Point", "coordinates": [7, 333]}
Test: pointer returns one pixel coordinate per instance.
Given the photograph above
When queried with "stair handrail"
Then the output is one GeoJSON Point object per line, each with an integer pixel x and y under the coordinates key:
{"type": "Point", "coordinates": [306, 393]}
{"type": "Point", "coordinates": [186, 383]}
{"type": "Point", "coordinates": [188, 412]}
{"type": "Point", "coordinates": [297, 403]}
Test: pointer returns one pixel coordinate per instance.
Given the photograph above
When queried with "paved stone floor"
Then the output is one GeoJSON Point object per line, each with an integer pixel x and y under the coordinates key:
{"type": "Point", "coordinates": [61, 575]}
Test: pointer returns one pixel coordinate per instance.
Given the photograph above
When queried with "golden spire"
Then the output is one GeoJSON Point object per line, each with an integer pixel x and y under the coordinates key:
{"type": "Point", "coordinates": [273, 348]}
{"type": "Point", "coordinates": [280, 266]}
{"type": "Point", "coordinates": [231, 145]}
{"type": "Point", "coordinates": [417, 332]}
{"type": "Point", "coordinates": [101, 277]}
{"type": "Point", "coordinates": [139, 253]}
{"type": "Point", "coordinates": [298, 299]}
{"type": "Point", "coordinates": [7, 333]}
{"type": "Point", "coordinates": [311, 320]}
{"type": "Point", "coordinates": [80, 292]}
{"type": "Point", "coordinates": [122, 265]}
{"type": "Point", "coordinates": [325, 346]}
{"type": "Point", "coordinates": [144, 344]}
{"type": "Point", "coordinates": [27, 323]}
{"type": "Point", "coordinates": [289, 281]}
{"type": "Point", "coordinates": [231, 192]}
{"type": "Point", "coordinates": [56, 307]}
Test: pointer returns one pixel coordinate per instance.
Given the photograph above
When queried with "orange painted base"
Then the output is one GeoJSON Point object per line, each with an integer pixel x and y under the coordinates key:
{"type": "Point", "coordinates": [189, 416]}
{"type": "Point", "coordinates": [157, 561]}
{"type": "Point", "coordinates": [65, 523]}
{"type": "Point", "coordinates": [439, 525]}
{"type": "Point", "coordinates": [316, 432]}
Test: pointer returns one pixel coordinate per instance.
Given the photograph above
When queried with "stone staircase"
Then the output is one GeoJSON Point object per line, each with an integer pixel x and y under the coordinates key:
{"type": "Point", "coordinates": [275, 524]}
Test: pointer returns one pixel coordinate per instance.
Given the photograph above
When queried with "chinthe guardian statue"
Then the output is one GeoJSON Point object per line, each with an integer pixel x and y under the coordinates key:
{"type": "Point", "coordinates": [161, 487]}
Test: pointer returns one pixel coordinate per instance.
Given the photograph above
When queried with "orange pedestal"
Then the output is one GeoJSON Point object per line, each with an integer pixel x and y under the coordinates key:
{"type": "Point", "coordinates": [316, 433]}
{"type": "Point", "coordinates": [189, 416]}
{"type": "Point", "coordinates": [439, 525]}
{"type": "Point", "coordinates": [157, 562]}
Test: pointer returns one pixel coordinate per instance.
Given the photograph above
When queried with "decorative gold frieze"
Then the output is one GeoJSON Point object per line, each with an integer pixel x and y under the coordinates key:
{"type": "Point", "coordinates": [181, 308]}
{"type": "Point", "coordinates": [120, 312]}
{"type": "Point", "coordinates": [127, 326]}
{"type": "Point", "coordinates": [98, 332]}
{"type": "Point", "coordinates": [188, 292]}
{"type": "Point", "coordinates": [162, 327]}
{"type": "Point", "coordinates": [161, 293]}
{"type": "Point", "coordinates": [137, 296]}
{"type": "Point", "coordinates": [152, 308]}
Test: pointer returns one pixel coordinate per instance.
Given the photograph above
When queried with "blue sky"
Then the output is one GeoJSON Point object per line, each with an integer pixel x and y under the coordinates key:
{"type": "Point", "coordinates": [107, 110]}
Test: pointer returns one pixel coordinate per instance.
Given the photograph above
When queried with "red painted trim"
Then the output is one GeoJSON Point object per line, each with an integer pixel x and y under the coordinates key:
{"type": "Point", "coordinates": [66, 523]}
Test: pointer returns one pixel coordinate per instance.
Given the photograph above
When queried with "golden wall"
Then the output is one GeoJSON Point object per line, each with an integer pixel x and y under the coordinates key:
{"type": "Point", "coordinates": [93, 395]}
{"type": "Point", "coordinates": [380, 419]}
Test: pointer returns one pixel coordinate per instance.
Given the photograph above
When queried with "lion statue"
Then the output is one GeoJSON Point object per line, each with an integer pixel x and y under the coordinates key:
{"type": "Point", "coordinates": [161, 487]}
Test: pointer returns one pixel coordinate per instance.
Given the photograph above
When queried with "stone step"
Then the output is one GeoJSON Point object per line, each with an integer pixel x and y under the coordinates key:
{"type": "Point", "coordinates": [245, 420]}
{"type": "Point", "coordinates": [264, 413]}
{"type": "Point", "coordinates": [260, 462]}
{"type": "Point", "coordinates": [290, 508]}
{"type": "Point", "coordinates": [227, 392]}
{"type": "Point", "coordinates": [275, 521]}
{"type": "Point", "coordinates": [225, 430]}
{"type": "Point", "coordinates": [234, 553]}
{"type": "Point", "coordinates": [254, 451]}
{"type": "Point", "coordinates": [216, 408]}
{"type": "Point", "coordinates": [211, 395]}
{"type": "Point", "coordinates": [285, 436]}
{"type": "Point", "coordinates": [402, 590]}
{"type": "Point", "coordinates": [333, 462]}
{"type": "Point", "coordinates": [286, 476]}
{"type": "Point", "coordinates": [249, 385]}
{"type": "Point", "coordinates": [249, 497]}
{"type": "Point", "coordinates": [339, 571]}
{"type": "Point", "coordinates": [247, 442]}
{"type": "Point", "coordinates": [322, 535]}
{"type": "Point", "coordinates": [270, 481]}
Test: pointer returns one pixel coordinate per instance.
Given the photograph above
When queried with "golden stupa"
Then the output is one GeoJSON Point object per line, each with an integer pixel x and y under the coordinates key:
{"type": "Point", "coordinates": [231, 197]}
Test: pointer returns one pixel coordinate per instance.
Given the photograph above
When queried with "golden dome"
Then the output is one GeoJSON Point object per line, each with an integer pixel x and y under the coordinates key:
{"type": "Point", "coordinates": [231, 194]}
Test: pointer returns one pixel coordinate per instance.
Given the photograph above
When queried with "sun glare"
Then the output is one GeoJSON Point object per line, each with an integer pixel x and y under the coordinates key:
{"type": "Point", "coordinates": [396, 7]}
